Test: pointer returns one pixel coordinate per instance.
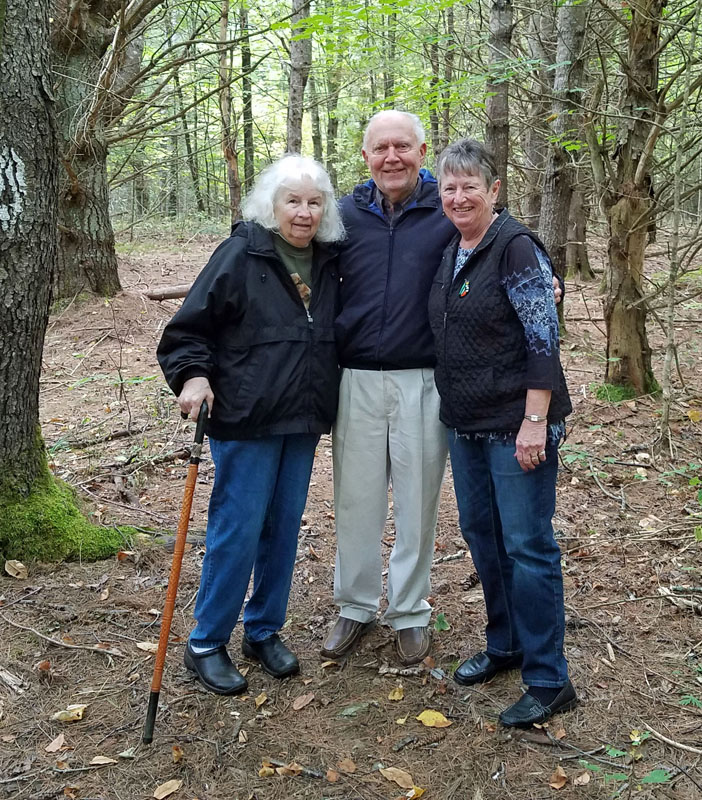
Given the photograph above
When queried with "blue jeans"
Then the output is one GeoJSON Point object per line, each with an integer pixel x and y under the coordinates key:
{"type": "Point", "coordinates": [505, 517]}
{"type": "Point", "coordinates": [258, 497]}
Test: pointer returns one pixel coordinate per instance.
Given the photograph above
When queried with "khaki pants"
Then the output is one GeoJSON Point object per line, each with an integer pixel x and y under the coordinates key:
{"type": "Point", "coordinates": [387, 432]}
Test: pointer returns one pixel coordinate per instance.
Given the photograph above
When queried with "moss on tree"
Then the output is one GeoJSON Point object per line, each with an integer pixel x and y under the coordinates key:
{"type": "Point", "coordinates": [47, 525]}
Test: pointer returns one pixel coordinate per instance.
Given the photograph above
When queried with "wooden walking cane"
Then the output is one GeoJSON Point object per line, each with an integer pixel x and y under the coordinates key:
{"type": "Point", "coordinates": [174, 577]}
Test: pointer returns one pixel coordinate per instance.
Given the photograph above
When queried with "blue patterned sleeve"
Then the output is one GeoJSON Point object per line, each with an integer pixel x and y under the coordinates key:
{"type": "Point", "coordinates": [526, 276]}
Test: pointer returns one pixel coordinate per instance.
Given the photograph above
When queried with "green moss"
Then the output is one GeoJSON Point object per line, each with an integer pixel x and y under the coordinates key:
{"type": "Point", "coordinates": [47, 525]}
{"type": "Point", "coordinates": [612, 393]}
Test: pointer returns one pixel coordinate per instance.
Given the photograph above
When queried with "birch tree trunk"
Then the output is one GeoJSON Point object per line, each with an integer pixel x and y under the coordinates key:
{"type": "Point", "coordinates": [300, 64]}
{"type": "Point", "coordinates": [228, 129]}
{"type": "Point", "coordinates": [497, 101]}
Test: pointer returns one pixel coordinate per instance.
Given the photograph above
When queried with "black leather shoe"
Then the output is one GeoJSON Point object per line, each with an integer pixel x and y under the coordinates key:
{"type": "Point", "coordinates": [342, 638]}
{"type": "Point", "coordinates": [481, 668]}
{"type": "Point", "coordinates": [528, 710]}
{"type": "Point", "coordinates": [274, 656]}
{"type": "Point", "coordinates": [215, 670]}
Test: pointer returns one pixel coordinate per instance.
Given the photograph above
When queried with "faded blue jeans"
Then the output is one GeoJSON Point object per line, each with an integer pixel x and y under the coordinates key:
{"type": "Point", "coordinates": [258, 497]}
{"type": "Point", "coordinates": [505, 517]}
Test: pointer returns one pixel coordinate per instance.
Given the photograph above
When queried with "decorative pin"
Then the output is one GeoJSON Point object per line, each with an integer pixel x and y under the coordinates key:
{"type": "Point", "coordinates": [465, 288]}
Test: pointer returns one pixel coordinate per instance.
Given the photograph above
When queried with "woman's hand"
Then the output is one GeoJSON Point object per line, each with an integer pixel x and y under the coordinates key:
{"type": "Point", "coordinates": [531, 445]}
{"type": "Point", "coordinates": [195, 390]}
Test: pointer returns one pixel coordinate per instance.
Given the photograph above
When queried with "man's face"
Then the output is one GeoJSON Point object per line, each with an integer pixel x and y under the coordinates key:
{"type": "Point", "coordinates": [393, 156]}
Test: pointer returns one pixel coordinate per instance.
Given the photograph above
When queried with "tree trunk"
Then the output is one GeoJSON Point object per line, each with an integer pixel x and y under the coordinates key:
{"type": "Point", "coordinates": [333, 89]}
{"type": "Point", "coordinates": [229, 148]}
{"type": "Point", "coordinates": [316, 125]}
{"type": "Point", "coordinates": [28, 214]}
{"type": "Point", "coordinates": [300, 63]}
{"type": "Point", "coordinates": [189, 152]}
{"type": "Point", "coordinates": [540, 44]}
{"type": "Point", "coordinates": [559, 174]}
{"type": "Point", "coordinates": [246, 95]}
{"type": "Point", "coordinates": [497, 100]}
{"type": "Point", "coordinates": [38, 515]}
{"type": "Point", "coordinates": [628, 205]}
{"type": "Point", "coordinates": [86, 260]}
{"type": "Point", "coordinates": [389, 67]}
{"type": "Point", "coordinates": [577, 261]}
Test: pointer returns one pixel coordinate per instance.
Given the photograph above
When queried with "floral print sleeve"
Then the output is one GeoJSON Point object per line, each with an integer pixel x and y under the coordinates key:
{"type": "Point", "coordinates": [526, 276]}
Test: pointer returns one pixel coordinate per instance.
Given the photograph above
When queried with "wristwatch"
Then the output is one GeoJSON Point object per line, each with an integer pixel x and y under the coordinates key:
{"type": "Point", "coordinates": [535, 418]}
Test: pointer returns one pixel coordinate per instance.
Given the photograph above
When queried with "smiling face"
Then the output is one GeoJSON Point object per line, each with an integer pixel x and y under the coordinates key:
{"type": "Point", "coordinates": [298, 212]}
{"type": "Point", "coordinates": [468, 202]}
{"type": "Point", "coordinates": [393, 155]}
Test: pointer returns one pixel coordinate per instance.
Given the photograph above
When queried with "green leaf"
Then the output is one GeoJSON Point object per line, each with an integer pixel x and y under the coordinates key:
{"type": "Point", "coordinates": [656, 776]}
{"type": "Point", "coordinates": [616, 776]}
{"type": "Point", "coordinates": [698, 533]}
{"type": "Point", "coordinates": [690, 700]}
{"type": "Point", "coordinates": [441, 623]}
{"type": "Point", "coordinates": [615, 753]}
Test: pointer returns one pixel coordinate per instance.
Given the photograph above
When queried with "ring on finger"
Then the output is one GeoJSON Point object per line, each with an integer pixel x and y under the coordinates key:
{"type": "Point", "coordinates": [542, 453]}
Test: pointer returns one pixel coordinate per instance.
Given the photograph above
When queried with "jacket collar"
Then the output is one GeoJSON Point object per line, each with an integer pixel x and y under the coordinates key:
{"type": "Point", "coordinates": [260, 242]}
{"type": "Point", "coordinates": [489, 237]}
{"type": "Point", "coordinates": [427, 197]}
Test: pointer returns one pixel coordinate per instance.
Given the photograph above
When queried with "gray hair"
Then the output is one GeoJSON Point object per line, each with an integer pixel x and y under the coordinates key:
{"type": "Point", "coordinates": [413, 118]}
{"type": "Point", "coordinates": [287, 173]}
{"type": "Point", "coordinates": [467, 157]}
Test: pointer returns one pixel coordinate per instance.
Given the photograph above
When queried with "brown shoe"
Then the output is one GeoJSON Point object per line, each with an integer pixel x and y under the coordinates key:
{"type": "Point", "coordinates": [412, 645]}
{"type": "Point", "coordinates": [343, 636]}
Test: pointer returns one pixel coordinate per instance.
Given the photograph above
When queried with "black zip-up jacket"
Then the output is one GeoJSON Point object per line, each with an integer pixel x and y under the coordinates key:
{"type": "Point", "coordinates": [386, 274]}
{"type": "Point", "coordinates": [481, 369]}
{"type": "Point", "coordinates": [272, 364]}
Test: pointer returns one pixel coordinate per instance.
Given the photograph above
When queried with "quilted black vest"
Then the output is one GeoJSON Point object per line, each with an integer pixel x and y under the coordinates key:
{"type": "Point", "coordinates": [480, 345]}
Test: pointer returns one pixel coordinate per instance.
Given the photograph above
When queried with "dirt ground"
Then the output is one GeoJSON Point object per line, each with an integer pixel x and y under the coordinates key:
{"type": "Point", "coordinates": [80, 633]}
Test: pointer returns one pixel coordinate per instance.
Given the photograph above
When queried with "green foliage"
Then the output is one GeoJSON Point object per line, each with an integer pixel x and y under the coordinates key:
{"type": "Point", "coordinates": [48, 526]}
{"type": "Point", "coordinates": [657, 776]}
{"type": "Point", "coordinates": [690, 700]}
{"type": "Point", "coordinates": [613, 394]}
{"type": "Point", "coordinates": [615, 752]}
{"type": "Point", "coordinates": [441, 623]}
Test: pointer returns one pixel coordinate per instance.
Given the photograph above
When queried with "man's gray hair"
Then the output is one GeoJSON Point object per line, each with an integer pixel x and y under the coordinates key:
{"type": "Point", "coordinates": [289, 172]}
{"type": "Point", "coordinates": [467, 157]}
{"type": "Point", "coordinates": [414, 119]}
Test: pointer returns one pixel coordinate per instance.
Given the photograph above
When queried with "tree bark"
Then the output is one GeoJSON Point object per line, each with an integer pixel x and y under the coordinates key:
{"type": "Point", "coordinates": [541, 49]}
{"type": "Point", "coordinates": [28, 215]}
{"type": "Point", "coordinates": [246, 94]}
{"type": "Point", "coordinates": [577, 260]}
{"type": "Point", "coordinates": [300, 64]}
{"type": "Point", "coordinates": [497, 100]}
{"type": "Point", "coordinates": [559, 173]}
{"type": "Point", "coordinates": [628, 205]}
{"type": "Point", "coordinates": [229, 145]}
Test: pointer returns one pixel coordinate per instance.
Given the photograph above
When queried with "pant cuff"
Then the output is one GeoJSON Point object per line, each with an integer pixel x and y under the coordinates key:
{"type": "Point", "coordinates": [356, 614]}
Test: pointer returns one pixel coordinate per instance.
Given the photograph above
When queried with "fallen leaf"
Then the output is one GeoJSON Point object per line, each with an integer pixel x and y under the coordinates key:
{"type": "Point", "coordinates": [261, 699]}
{"type": "Point", "coordinates": [332, 776]}
{"type": "Point", "coordinates": [289, 770]}
{"type": "Point", "coordinates": [71, 792]}
{"type": "Point", "coordinates": [71, 713]}
{"type": "Point", "coordinates": [327, 664]}
{"type": "Point", "coordinates": [44, 666]}
{"type": "Point", "coordinates": [99, 761]}
{"type": "Point", "coordinates": [400, 720]}
{"type": "Point", "coordinates": [125, 555]}
{"type": "Point", "coordinates": [559, 779]}
{"type": "Point", "coordinates": [347, 765]}
{"type": "Point", "coordinates": [399, 776]}
{"type": "Point", "coordinates": [302, 701]}
{"type": "Point", "coordinates": [397, 693]}
{"type": "Point", "coordinates": [16, 569]}
{"type": "Point", "coordinates": [243, 737]}
{"type": "Point", "coordinates": [129, 753]}
{"type": "Point", "coordinates": [8, 738]}
{"type": "Point", "coordinates": [560, 734]}
{"type": "Point", "coordinates": [148, 647]}
{"type": "Point", "coordinates": [582, 779]}
{"type": "Point", "coordinates": [414, 792]}
{"type": "Point", "coordinates": [166, 789]}
{"type": "Point", "coordinates": [56, 745]}
{"type": "Point", "coordinates": [105, 593]}
{"type": "Point", "coordinates": [433, 719]}
{"type": "Point", "coordinates": [266, 772]}
{"type": "Point", "coordinates": [351, 711]}
{"type": "Point", "coordinates": [178, 753]}
{"type": "Point", "coordinates": [694, 415]}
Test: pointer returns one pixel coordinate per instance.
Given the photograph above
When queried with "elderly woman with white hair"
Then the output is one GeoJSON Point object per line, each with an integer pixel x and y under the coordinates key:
{"type": "Point", "coordinates": [255, 338]}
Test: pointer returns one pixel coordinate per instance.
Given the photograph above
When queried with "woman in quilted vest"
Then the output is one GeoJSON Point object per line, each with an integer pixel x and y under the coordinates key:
{"type": "Point", "coordinates": [504, 401]}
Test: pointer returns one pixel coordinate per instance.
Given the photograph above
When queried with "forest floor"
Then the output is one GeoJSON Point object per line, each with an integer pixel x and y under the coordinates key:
{"type": "Point", "coordinates": [83, 633]}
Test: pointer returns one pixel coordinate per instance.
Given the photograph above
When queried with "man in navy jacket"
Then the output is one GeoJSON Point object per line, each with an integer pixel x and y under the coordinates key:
{"type": "Point", "coordinates": [388, 430]}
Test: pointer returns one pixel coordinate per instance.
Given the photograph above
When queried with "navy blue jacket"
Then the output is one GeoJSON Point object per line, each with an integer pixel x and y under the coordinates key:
{"type": "Point", "coordinates": [386, 275]}
{"type": "Point", "coordinates": [271, 364]}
